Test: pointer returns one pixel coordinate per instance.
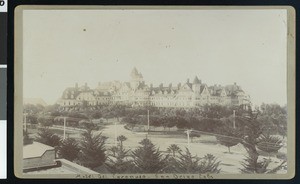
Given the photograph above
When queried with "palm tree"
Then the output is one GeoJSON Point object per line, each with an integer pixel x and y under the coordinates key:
{"type": "Point", "coordinates": [121, 139]}
{"type": "Point", "coordinates": [119, 160]}
{"type": "Point", "coordinates": [173, 148]}
{"type": "Point", "coordinates": [188, 163]}
{"type": "Point", "coordinates": [114, 150]}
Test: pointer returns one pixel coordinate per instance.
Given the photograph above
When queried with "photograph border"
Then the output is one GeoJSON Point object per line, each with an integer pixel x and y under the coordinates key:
{"type": "Point", "coordinates": [18, 92]}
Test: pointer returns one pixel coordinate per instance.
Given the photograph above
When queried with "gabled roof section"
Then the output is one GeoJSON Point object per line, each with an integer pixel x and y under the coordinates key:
{"type": "Point", "coordinates": [67, 94]}
{"type": "Point", "coordinates": [186, 86]}
{"type": "Point", "coordinates": [217, 90]}
{"type": "Point", "coordinates": [202, 87]}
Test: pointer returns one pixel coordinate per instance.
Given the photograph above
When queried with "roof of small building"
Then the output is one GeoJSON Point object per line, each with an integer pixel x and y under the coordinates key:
{"type": "Point", "coordinates": [67, 167]}
{"type": "Point", "coordinates": [35, 149]}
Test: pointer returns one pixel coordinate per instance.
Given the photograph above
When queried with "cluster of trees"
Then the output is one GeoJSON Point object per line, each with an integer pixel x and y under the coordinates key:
{"type": "Point", "coordinates": [230, 136]}
{"type": "Point", "coordinates": [249, 133]}
{"type": "Point", "coordinates": [91, 151]}
{"type": "Point", "coordinates": [272, 117]}
{"type": "Point", "coordinates": [208, 118]}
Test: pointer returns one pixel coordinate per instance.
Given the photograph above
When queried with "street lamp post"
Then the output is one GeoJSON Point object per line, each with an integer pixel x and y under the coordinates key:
{"type": "Point", "coordinates": [234, 119]}
{"type": "Point", "coordinates": [115, 133]}
{"type": "Point", "coordinates": [25, 121]}
{"type": "Point", "coordinates": [148, 123]}
{"type": "Point", "coordinates": [188, 138]}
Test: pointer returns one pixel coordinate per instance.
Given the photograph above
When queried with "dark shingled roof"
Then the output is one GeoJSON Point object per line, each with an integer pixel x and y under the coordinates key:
{"type": "Point", "coordinates": [202, 88]}
{"type": "Point", "coordinates": [231, 89]}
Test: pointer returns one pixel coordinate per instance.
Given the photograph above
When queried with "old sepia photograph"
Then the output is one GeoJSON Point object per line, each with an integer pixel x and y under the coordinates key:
{"type": "Point", "coordinates": [108, 92]}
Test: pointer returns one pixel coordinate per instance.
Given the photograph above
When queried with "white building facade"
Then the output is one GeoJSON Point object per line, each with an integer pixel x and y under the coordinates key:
{"type": "Point", "coordinates": [137, 93]}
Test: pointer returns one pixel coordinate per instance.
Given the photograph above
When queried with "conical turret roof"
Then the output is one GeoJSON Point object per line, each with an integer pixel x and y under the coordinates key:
{"type": "Point", "coordinates": [196, 80]}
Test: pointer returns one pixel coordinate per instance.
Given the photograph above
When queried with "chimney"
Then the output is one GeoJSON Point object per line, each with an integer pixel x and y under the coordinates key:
{"type": "Point", "coordinates": [161, 85]}
{"type": "Point", "coordinates": [76, 85]}
{"type": "Point", "coordinates": [188, 80]}
{"type": "Point", "coordinates": [235, 83]}
{"type": "Point", "coordinates": [170, 85]}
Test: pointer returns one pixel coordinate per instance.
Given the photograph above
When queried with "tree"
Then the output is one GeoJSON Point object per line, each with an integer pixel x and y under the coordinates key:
{"type": "Point", "coordinates": [119, 160]}
{"type": "Point", "coordinates": [251, 129]}
{"type": "Point", "coordinates": [148, 159]}
{"type": "Point", "coordinates": [269, 144]}
{"type": "Point", "coordinates": [53, 109]}
{"type": "Point", "coordinates": [97, 115]}
{"type": "Point", "coordinates": [215, 111]}
{"type": "Point", "coordinates": [45, 136]}
{"type": "Point", "coordinates": [31, 119]}
{"type": "Point", "coordinates": [252, 165]}
{"type": "Point", "coordinates": [274, 117]}
{"type": "Point", "coordinates": [46, 121]}
{"type": "Point", "coordinates": [121, 139]}
{"type": "Point", "coordinates": [68, 149]}
{"type": "Point", "coordinates": [26, 139]}
{"type": "Point", "coordinates": [209, 164]}
{"type": "Point", "coordinates": [92, 146]}
{"type": "Point", "coordinates": [194, 134]}
{"type": "Point", "coordinates": [173, 148]}
{"type": "Point", "coordinates": [188, 163]}
{"type": "Point", "coordinates": [33, 109]}
{"type": "Point", "coordinates": [229, 136]}
{"type": "Point", "coordinates": [172, 165]}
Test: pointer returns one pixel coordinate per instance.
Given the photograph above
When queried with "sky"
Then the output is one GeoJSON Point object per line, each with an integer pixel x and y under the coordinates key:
{"type": "Point", "coordinates": [62, 47]}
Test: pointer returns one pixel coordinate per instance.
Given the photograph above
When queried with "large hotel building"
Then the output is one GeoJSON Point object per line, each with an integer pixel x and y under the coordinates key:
{"type": "Point", "coordinates": [137, 93]}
